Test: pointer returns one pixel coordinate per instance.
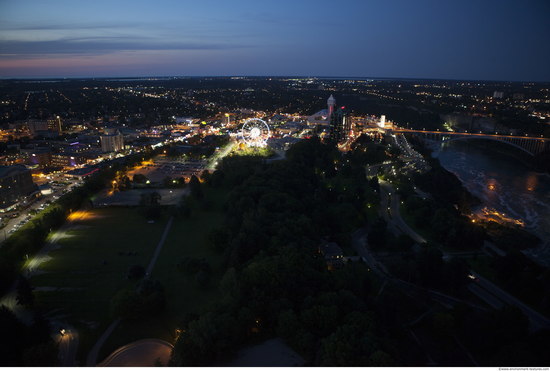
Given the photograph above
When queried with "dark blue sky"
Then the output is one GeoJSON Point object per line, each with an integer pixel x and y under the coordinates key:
{"type": "Point", "coordinates": [467, 39]}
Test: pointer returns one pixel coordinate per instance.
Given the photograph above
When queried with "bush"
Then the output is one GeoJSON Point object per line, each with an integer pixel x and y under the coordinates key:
{"type": "Point", "coordinates": [190, 265]}
{"type": "Point", "coordinates": [203, 279]}
{"type": "Point", "coordinates": [136, 272]}
{"type": "Point", "coordinates": [146, 300]}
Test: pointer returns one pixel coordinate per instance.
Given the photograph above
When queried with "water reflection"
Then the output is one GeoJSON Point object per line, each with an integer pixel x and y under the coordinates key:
{"type": "Point", "coordinates": [505, 185]}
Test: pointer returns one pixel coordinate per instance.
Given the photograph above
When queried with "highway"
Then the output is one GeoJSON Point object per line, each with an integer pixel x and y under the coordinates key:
{"type": "Point", "coordinates": [359, 243]}
{"type": "Point", "coordinates": [497, 297]}
{"type": "Point", "coordinates": [493, 295]}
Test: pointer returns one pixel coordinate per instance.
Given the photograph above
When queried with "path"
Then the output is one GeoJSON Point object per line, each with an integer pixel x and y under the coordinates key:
{"type": "Point", "coordinates": [91, 360]}
{"type": "Point", "coordinates": [159, 247]}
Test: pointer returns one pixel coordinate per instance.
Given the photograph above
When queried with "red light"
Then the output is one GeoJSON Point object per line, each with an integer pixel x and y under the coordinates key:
{"type": "Point", "coordinates": [343, 107]}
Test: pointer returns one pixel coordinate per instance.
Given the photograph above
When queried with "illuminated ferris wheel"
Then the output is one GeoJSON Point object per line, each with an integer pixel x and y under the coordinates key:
{"type": "Point", "coordinates": [255, 132]}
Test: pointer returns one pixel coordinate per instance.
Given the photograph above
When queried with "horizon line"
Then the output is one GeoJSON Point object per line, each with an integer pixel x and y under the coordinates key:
{"type": "Point", "coordinates": [263, 76]}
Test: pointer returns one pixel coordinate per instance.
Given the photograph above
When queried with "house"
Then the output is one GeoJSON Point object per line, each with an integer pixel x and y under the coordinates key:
{"type": "Point", "coordinates": [332, 253]}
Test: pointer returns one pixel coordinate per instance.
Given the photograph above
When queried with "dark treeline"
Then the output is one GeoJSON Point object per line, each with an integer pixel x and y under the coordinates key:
{"type": "Point", "coordinates": [276, 284]}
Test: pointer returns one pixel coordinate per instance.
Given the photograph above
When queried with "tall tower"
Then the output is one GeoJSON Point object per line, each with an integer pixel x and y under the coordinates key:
{"type": "Point", "coordinates": [340, 125]}
{"type": "Point", "coordinates": [331, 102]}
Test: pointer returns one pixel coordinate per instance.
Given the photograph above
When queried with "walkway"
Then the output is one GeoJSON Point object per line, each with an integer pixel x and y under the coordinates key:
{"type": "Point", "coordinates": [92, 356]}
{"type": "Point", "coordinates": [141, 353]}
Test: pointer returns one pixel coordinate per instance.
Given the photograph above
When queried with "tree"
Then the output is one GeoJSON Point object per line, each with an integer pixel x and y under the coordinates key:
{"type": "Point", "coordinates": [205, 176]}
{"type": "Point", "coordinates": [150, 199]}
{"type": "Point", "coordinates": [195, 187]}
{"type": "Point", "coordinates": [443, 323]}
{"type": "Point", "coordinates": [380, 358]}
{"type": "Point", "coordinates": [287, 325]}
{"type": "Point", "coordinates": [126, 304]}
{"type": "Point", "coordinates": [136, 272]}
{"type": "Point", "coordinates": [146, 300]}
{"type": "Point", "coordinates": [377, 233]}
{"type": "Point", "coordinates": [203, 279]}
{"type": "Point", "coordinates": [24, 289]}
{"type": "Point", "coordinates": [167, 182]}
{"type": "Point", "coordinates": [41, 355]}
{"type": "Point", "coordinates": [12, 338]}
{"type": "Point", "coordinates": [140, 179]}
{"type": "Point", "coordinates": [219, 239]}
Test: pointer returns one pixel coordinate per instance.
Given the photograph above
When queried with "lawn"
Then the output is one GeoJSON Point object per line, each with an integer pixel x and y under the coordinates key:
{"type": "Point", "coordinates": [424, 232]}
{"type": "Point", "coordinates": [188, 237]}
{"type": "Point", "coordinates": [92, 260]}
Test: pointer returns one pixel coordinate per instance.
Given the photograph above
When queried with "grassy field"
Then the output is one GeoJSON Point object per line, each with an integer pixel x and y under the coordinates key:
{"type": "Point", "coordinates": [92, 260]}
{"type": "Point", "coordinates": [187, 238]}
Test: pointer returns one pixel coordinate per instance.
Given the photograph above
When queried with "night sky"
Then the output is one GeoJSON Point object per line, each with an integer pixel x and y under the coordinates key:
{"type": "Point", "coordinates": [466, 39]}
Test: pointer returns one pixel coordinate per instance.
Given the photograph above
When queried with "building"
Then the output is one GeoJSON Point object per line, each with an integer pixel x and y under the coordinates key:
{"type": "Point", "coordinates": [41, 157]}
{"type": "Point", "coordinates": [112, 141]}
{"type": "Point", "coordinates": [55, 125]}
{"type": "Point", "coordinates": [15, 186]}
{"type": "Point", "coordinates": [75, 157]}
{"type": "Point", "coordinates": [323, 116]}
{"type": "Point", "coordinates": [331, 102]}
{"type": "Point", "coordinates": [340, 125]}
{"type": "Point", "coordinates": [333, 254]}
{"type": "Point", "coordinates": [47, 128]}
{"type": "Point", "coordinates": [37, 126]}
{"type": "Point", "coordinates": [382, 122]}
{"type": "Point", "coordinates": [82, 173]}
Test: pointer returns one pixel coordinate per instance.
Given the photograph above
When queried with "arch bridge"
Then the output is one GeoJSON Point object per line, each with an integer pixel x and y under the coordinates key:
{"type": "Point", "coordinates": [530, 145]}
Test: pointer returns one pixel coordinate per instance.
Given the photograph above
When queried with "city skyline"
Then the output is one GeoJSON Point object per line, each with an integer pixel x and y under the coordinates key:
{"type": "Point", "coordinates": [452, 40]}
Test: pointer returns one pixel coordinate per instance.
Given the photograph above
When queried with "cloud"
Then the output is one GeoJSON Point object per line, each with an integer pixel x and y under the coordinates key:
{"type": "Point", "coordinates": [101, 45]}
{"type": "Point", "coordinates": [67, 26]}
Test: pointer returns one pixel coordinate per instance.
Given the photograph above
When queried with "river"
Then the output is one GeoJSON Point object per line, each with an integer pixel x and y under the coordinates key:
{"type": "Point", "coordinates": [506, 186]}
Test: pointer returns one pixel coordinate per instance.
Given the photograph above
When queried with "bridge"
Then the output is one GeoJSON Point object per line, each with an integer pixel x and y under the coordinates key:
{"type": "Point", "coordinates": [530, 145]}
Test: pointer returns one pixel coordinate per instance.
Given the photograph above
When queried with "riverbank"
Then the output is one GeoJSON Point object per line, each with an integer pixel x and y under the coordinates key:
{"type": "Point", "coordinates": [505, 185]}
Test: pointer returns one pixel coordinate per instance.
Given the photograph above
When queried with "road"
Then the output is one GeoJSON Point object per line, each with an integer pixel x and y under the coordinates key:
{"type": "Point", "coordinates": [497, 298]}
{"type": "Point", "coordinates": [482, 288]}
{"type": "Point", "coordinates": [219, 155]}
{"type": "Point", "coordinates": [389, 209]}
{"type": "Point", "coordinates": [359, 243]}
{"type": "Point", "coordinates": [25, 216]}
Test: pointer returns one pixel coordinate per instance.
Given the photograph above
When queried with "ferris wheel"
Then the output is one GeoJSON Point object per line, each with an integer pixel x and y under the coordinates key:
{"type": "Point", "coordinates": [255, 132]}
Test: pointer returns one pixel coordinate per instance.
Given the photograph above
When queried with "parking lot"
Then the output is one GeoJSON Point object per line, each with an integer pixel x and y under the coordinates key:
{"type": "Point", "coordinates": [162, 167]}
